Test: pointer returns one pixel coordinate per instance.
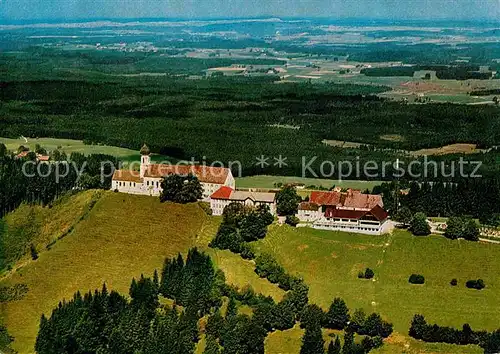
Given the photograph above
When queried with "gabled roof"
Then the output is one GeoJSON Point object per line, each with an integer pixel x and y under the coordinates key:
{"type": "Point", "coordinates": [206, 174]}
{"type": "Point", "coordinates": [308, 206]}
{"type": "Point", "coordinates": [377, 212]}
{"type": "Point", "coordinates": [349, 199]}
{"type": "Point", "coordinates": [227, 193]}
{"type": "Point", "coordinates": [255, 196]}
{"type": "Point", "coordinates": [325, 198]}
{"type": "Point", "coordinates": [223, 192]}
{"type": "Point", "coordinates": [127, 176]}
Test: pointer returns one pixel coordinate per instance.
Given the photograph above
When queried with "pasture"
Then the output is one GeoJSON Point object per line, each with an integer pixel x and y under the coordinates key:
{"type": "Point", "coordinates": [123, 236]}
{"type": "Point", "coordinates": [69, 146]}
{"type": "Point", "coordinates": [330, 261]}
{"type": "Point", "coordinates": [269, 182]}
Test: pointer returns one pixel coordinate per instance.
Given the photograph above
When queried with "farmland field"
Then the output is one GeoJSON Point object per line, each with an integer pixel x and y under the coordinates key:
{"type": "Point", "coordinates": [330, 262]}
{"type": "Point", "coordinates": [68, 146]}
{"type": "Point", "coordinates": [271, 181]}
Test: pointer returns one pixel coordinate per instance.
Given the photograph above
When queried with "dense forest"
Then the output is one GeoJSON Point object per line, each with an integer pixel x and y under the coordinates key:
{"type": "Point", "coordinates": [479, 198]}
{"type": "Point", "coordinates": [238, 119]}
{"type": "Point", "coordinates": [29, 181]}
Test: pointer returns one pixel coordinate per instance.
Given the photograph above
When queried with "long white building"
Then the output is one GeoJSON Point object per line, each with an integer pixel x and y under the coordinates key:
{"type": "Point", "coordinates": [350, 211]}
{"type": "Point", "coordinates": [227, 195]}
{"type": "Point", "coordinates": [147, 181]}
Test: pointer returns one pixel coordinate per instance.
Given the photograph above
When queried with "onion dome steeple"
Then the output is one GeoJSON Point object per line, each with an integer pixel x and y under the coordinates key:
{"type": "Point", "coordinates": [145, 150]}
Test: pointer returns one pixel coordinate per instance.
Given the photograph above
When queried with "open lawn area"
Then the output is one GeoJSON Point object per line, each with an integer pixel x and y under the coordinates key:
{"type": "Point", "coordinates": [121, 238]}
{"type": "Point", "coordinates": [124, 235]}
{"type": "Point", "coordinates": [330, 261]}
{"type": "Point", "coordinates": [264, 181]}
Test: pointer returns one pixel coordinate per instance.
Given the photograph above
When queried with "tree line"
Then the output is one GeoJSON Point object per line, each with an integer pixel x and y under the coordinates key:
{"type": "Point", "coordinates": [242, 224]}
{"type": "Point", "coordinates": [168, 112]}
{"type": "Point", "coordinates": [25, 180]}
{"type": "Point", "coordinates": [420, 329]}
{"type": "Point", "coordinates": [474, 197]}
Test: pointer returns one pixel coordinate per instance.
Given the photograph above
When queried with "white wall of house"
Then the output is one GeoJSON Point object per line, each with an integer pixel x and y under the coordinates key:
{"type": "Point", "coordinates": [309, 215]}
{"type": "Point", "coordinates": [128, 187]}
{"type": "Point", "coordinates": [218, 205]}
{"type": "Point", "coordinates": [349, 225]}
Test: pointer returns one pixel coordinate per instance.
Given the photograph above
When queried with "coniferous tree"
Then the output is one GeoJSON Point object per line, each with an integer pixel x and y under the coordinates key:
{"type": "Point", "coordinates": [215, 324]}
{"type": "Point", "coordinates": [312, 316]}
{"type": "Point", "coordinates": [334, 347]}
{"type": "Point", "coordinates": [338, 315]}
{"type": "Point", "coordinates": [349, 347]}
{"type": "Point", "coordinates": [312, 341]}
{"type": "Point", "coordinates": [232, 310]}
{"type": "Point", "coordinates": [212, 346]}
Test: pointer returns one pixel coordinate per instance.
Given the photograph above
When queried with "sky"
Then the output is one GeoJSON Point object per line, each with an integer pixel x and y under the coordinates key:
{"type": "Point", "coordinates": [15, 10]}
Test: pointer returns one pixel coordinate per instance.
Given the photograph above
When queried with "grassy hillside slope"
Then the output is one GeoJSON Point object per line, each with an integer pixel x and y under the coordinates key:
{"type": "Point", "coordinates": [122, 237]}
{"type": "Point", "coordinates": [330, 262]}
{"type": "Point", "coordinates": [41, 226]}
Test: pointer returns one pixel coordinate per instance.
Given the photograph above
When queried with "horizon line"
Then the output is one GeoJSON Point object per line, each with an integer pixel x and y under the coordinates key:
{"type": "Point", "coordinates": [236, 18]}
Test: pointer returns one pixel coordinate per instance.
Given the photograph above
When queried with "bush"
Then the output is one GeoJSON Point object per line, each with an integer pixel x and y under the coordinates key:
{"type": "Point", "coordinates": [419, 225]}
{"type": "Point", "coordinates": [462, 227]}
{"type": "Point", "coordinates": [475, 284]}
{"type": "Point", "coordinates": [247, 252]}
{"type": "Point", "coordinates": [205, 207]}
{"type": "Point", "coordinates": [416, 279]}
{"type": "Point", "coordinates": [453, 282]}
{"type": "Point", "coordinates": [369, 274]}
{"type": "Point", "coordinates": [292, 220]}
{"type": "Point", "coordinates": [34, 252]}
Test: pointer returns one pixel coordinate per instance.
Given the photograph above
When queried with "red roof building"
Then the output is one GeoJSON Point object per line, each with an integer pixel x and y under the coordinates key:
{"type": "Point", "coordinates": [350, 211]}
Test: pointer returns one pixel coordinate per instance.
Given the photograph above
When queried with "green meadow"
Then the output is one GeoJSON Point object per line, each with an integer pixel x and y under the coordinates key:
{"type": "Point", "coordinates": [330, 261]}
{"type": "Point", "coordinates": [122, 236]}
{"type": "Point", "coordinates": [263, 181]}
{"type": "Point", "coordinates": [68, 146]}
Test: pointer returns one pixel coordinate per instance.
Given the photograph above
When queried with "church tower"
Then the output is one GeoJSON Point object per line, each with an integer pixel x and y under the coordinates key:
{"type": "Point", "coordinates": [145, 159]}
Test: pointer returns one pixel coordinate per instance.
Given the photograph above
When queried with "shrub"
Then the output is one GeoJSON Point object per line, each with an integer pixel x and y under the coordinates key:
{"type": "Point", "coordinates": [462, 227]}
{"type": "Point", "coordinates": [419, 225]}
{"type": "Point", "coordinates": [292, 220]}
{"type": "Point", "coordinates": [246, 251]}
{"type": "Point", "coordinates": [34, 252]}
{"type": "Point", "coordinates": [369, 274]}
{"type": "Point", "coordinates": [453, 282]}
{"type": "Point", "coordinates": [205, 207]}
{"type": "Point", "coordinates": [475, 284]}
{"type": "Point", "coordinates": [416, 279]}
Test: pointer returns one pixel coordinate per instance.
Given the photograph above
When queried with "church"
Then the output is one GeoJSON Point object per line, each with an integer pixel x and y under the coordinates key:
{"type": "Point", "coordinates": [147, 181]}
